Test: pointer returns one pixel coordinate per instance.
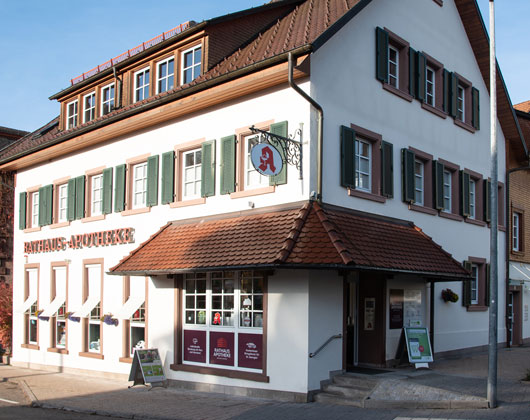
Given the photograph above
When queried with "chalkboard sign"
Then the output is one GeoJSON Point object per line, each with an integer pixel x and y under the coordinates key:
{"type": "Point", "coordinates": [146, 367]}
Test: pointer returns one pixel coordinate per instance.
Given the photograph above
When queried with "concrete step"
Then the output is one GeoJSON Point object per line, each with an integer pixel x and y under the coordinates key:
{"type": "Point", "coordinates": [358, 382]}
{"type": "Point", "coordinates": [346, 391]}
{"type": "Point", "coordinates": [329, 398]}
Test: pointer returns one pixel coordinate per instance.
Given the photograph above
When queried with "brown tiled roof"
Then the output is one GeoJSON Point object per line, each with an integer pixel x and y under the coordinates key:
{"type": "Point", "coordinates": [39, 137]}
{"type": "Point", "coordinates": [310, 236]}
{"type": "Point", "coordinates": [523, 107]}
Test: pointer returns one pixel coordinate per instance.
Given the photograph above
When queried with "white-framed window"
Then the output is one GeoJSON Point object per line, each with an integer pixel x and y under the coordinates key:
{"type": "Point", "coordinates": [363, 165]}
{"type": "Point", "coordinates": [516, 231]}
{"type": "Point", "coordinates": [472, 199]}
{"type": "Point", "coordinates": [31, 316]}
{"type": "Point", "coordinates": [94, 329]}
{"type": "Point", "coordinates": [393, 66]}
{"type": "Point", "coordinates": [60, 327]}
{"type": "Point", "coordinates": [62, 202]}
{"type": "Point", "coordinates": [460, 103]}
{"type": "Point", "coordinates": [191, 179]}
{"type": "Point", "coordinates": [419, 181]}
{"type": "Point", "coordinates": [34, 209]}
{"type": "Point", "coordinates": [139, 187]}
{"type": "Point", "coordinates": [474, 284]}
{"type": "Point", "coordinates": [107, 99]}
{"type": "Point", "coordinates": [430, 81]}
{"type": "Point", "coordinates": [137, 329]}
{"type": "Point", "coordinates": [96, 195]}
{"type": "Point", "coordinates": [71, 114]}
{"type": "Point", "coordinates": [195, 300]}
{"type": "Point", "coordinates": [165, 75]}
{"type": "Point", "coordinates": [447, 189]}
{"type": "Point", "coordinates": [253, 179]}
{"type": "Point", "coordinates": [141, 84]}
{"type": "Point", "coordinates": [89, 107]}
{"type": "Point", "coordinates": [191, 64]}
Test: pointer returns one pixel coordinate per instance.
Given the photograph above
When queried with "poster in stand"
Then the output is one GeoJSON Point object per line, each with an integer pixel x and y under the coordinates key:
{"type": "Point", "coordinates": [147, 368]}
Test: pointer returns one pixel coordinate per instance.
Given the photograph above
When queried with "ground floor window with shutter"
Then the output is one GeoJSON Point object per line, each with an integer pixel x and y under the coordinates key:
{"type": "Point", "coordinates": [475, 291]}
{"type": "Point", "coordinates": [30, 306]}
{"type": "Point", "coordinates": [136, 185]}
{"type": "Point", "coordinates": [133, 316]}
{"type": "Point", "coordinates": [223, 322]}
{"type": "Point", "coordinates": [57, 308]}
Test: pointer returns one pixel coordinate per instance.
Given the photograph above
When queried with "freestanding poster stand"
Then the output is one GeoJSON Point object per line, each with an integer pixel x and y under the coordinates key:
{"type": "Point", "coordinates": [418, 346]}
{"type": "Point", "coordinates": [147, 368]}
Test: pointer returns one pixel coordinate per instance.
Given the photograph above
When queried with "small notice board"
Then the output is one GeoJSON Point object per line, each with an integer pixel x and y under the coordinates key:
{"type": "Point", "coordinates": [147, 367]}
{"type": "Point", "coordinates": [418, 345]}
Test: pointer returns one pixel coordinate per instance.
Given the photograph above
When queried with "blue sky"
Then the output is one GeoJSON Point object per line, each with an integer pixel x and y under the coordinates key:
{"type": "Point", "coordinates": [46, 43]}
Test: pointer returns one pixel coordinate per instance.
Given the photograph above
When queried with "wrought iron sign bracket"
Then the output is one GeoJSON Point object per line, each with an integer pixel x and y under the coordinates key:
{"type": "Point", "coordinates": [290, 146]}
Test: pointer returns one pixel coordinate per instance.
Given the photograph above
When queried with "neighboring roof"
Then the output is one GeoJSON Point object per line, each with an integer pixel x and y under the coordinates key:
{"type": "Point", "coordinates": [311, 236]}
{"type": "Point", "coordinates": [523, 107]}
{"type": "Point", "coordinates": [522, 111]}
{"type": "Point", "coordinates": [39, 137]}
{"type": "Point", "coordinates": [479, 40]}
{"type": "Point", "coordinates": [9, 135]}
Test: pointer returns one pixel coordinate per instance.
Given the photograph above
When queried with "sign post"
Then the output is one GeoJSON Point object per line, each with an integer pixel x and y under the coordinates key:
{"type": "Point", "coordinates": [147, 368]}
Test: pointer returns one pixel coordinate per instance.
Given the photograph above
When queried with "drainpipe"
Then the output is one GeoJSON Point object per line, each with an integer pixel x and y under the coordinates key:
{"type": "Point", "coordinates": [119, 89]}
{"type": "Point", "coordinates": [320, 127]}
{"type": "Point", "coordinates": [508, 246]}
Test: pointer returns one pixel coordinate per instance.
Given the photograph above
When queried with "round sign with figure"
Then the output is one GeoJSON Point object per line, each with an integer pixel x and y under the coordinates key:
{"type": "Point", "coordinates": [266, 159]}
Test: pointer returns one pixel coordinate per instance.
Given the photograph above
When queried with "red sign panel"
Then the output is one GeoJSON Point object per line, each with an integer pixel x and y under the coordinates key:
{"type": "Point", "coordinates": [195, 346]}
{"type": "Point", "coordinates": [222, 348]}
{"type": "Point", "coordinates": [250, 351]}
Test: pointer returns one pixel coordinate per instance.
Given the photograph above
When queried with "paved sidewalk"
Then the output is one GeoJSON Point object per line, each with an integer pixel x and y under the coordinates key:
{"type": "Point", "coordinates": [113, 398]}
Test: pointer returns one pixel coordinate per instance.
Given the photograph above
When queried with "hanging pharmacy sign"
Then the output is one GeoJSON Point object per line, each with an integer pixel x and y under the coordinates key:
{"type": "Point", "coordinates": [266, 159]}
{"type": "Point", "coordinates": [85, 240]}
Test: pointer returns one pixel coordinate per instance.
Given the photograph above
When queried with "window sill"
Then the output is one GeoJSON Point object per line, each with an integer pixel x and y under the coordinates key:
{"type": "Point", "coordinates": [423, 209]}
{"type": "Point", "coordinates": [501, 228]}
{"type": "Point", "coordinates": [126, 360]}
{"type": "Point", "coordinates": [398, 92]}
{"type": "Point", "coordinates": [251, 192]}
{"type": "Point", "coordinates": [477, 308]}
{"type": "Point", "coordinates": [33, 229]}
{"type": "Point", "coordinates": [93, 218]}
{"type": "Point", "coordinates": [59, 225]}
{"type": "Point", "coordinates": [91, 355]}
{"type": "Point", "coordinates": [235, 374]}
{"type": "Point", "coordinates": [366, 195]}
{"type": "Point", "coordinates": [475, 222]}
{"type": "Point", "coordinates": [434, 110]}
{"type": "Point", "coordinates": [57, 350]}
{"type": "Point", "coordinates": [517, 253]}
{"type": "Point", "coordinates": [30, 346]}
{"type": "Point", "coordinates": [464, 125]}
{"type": "Point", "coordinates": [185, 203]}
{"type": "Point", "coordinates": [130, 212]}
{"type": "Point", "coordinates": [451, 216]}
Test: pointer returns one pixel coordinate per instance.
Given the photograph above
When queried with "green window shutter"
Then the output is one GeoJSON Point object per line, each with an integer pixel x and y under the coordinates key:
{"type": "Point", "coordinates": [23, 199]}
{"type": "Point", "coordinates": [45, 205]}
{"type": "Point", "coordinates": [119, 189]}
{"type": "Point", "coordinates": [412, 71]}
{"type": "Point", "coordinates": [438, 184]}
{"type": "Point", "coordinates": [486, 195]}
{"type": "Point", "coordinates": [420, 76]}
{"type": "Point", "coordinates": [347, 157]}
{"type": "Point", "coordinates": [487, 291]}
{"type": "Point", "coordinates": [407, 175]}
{"type": "Point", "coordinates": [42, 205]}
{"type": "Point", "coordinates": [447, 91]}
{"type": "Point", "coordinates": [381, 56]}
{"type": "Point", "coordinates": [280, 129]}
{"type": "Point", "coordinates": [70, 204]}
{"type": "Point", "coordinates": [228, 164]}
{"type": "Point", "coordinates": [80, 197]}
{"type": "Point", "coordinates": [152, 181]}
{"type": "Point", "coordinates": [208, 169]}
{"type": "Point", "coordinates": [475, 116]}
{"type": "Point", "coordinates": [464, 194]}
{"type": "Point", "coordinates": [387, 169]}
{"type": "Point", "coordinates": [107, 190]}
{"type": "Point", "coordinates": [453, 94]}
{"type": "Point", "coordinates": [466, 286]}
{"type": "Point", "coordinates": [168, 177]}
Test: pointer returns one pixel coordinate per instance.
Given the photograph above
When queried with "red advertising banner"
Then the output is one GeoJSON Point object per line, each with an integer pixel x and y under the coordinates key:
{"type": "Point", "coordinates": [195, 346]}
{"type": "Point", "coordinates": [250, 351]}
{"type": "Point", "coordinates": [222, 348]}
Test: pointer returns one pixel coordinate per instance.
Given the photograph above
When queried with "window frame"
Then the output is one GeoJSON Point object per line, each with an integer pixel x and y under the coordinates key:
{"type": "Point", "coordinates": [158, 64]}
{"type": "Point", "coordinates": [196, 167]}
{"type": "Point", "coordinates": [127, 356]}
{"type": "Point", "coordinates": [180, 150]}
{"type": "Point", "coordinates": [137, 89]}
{"type": "Point", "coordinates": [90, 215]}
{"type": "Point", "coordinates": [34, 209]}
{"type": "Point", "coordinates": [90, 110]}
{"type": "Point", "coordinates": [142, 192]}
{"type": "Point", "coordinates": [482, 294]}
{"type": "Point", "coordinates": [28, 315]}
{"type": "Point", "coordinates": [72, 115]}
{"type": "Point", "coordinates": [54, 320]}
{"type": "Point", "coordinates": [402, 47]}
{"type": "Point", "coordinates": [454, 170]}
{"type": "Point", "coordinates": [517, 238]}
{"type": "Point", "coordinates": [427, 206]}
{"type": "Point", "coordinates": [111, 102]}
{"type": "Point", "coordinates": [421, 177]}
{"type": "Point", "coordinates": [129, 185]}
{"type": "Point", "coordinates": [60, 187]}
{"type": "Point", "coordinates": [85, 321]}
{"type": "Point", "coordinates": [437, 69]}
{"type": "Point", "coordinates": [183, 69]}
{"type": "Point", "coordinates": [479, 198]}
{"type": "Point", "coordinates": [467, 105]}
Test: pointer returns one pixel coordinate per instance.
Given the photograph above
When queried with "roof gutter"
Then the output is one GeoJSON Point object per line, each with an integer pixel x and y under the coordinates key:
{"type": "Point", "coordinates": [164, 100]}
{"type": "Point", "coordinates": [320, 126]}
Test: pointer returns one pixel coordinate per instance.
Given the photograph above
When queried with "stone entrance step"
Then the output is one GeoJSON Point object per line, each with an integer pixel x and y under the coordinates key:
{"type": "Point", "coordinates": [347, 390]}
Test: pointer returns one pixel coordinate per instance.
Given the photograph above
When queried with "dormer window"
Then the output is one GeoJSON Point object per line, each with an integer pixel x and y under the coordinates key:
{"type": "Point", "coordinates": [89, 107]}
{"type": "Point", "coordinates": [191, 64]}
{"type": "Point", "coordinates": [165, 75]}
{"type": "Point", "coordinates": [107, 99]}
{"type": "Point", "coordinates": [71, 112]}
{"type": "Point", "coordinates": [141, 85]}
